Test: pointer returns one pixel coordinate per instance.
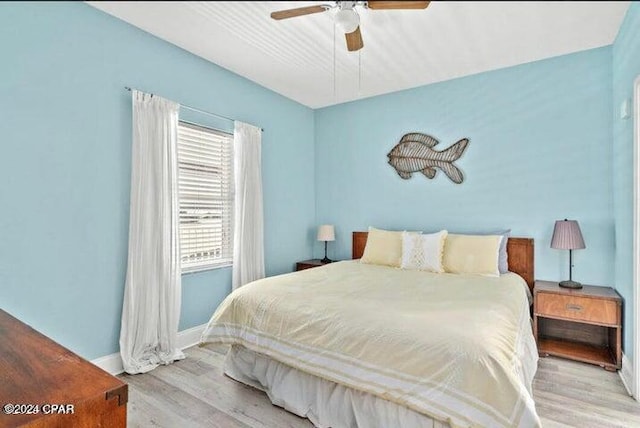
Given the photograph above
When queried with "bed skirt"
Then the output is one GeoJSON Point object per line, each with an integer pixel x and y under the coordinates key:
{"type": "Point", "coordinates": [325, 403]}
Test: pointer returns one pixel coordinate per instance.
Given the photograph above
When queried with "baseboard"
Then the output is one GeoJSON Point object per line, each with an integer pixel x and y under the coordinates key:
{"type": "Point", "coordinates": [110, 363]}
{"type": "Point", "coordinates": [186, 339]}
{"type": "Point", "coordinates": [626, 374]}
{"type": "Point", "coordinates": [190, 337]}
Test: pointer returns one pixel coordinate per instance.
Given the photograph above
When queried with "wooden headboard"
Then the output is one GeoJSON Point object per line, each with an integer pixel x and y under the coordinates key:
{"type": "Point", "coordinates": [519, 250]}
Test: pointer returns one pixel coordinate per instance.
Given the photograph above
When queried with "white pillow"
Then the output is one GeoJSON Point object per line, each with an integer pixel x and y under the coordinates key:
{"type": "Point", "coordinates": [423, 252]}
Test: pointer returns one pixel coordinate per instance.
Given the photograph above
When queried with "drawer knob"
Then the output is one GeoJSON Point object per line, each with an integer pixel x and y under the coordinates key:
{"type": "Point", "coordinates": [572, 307]}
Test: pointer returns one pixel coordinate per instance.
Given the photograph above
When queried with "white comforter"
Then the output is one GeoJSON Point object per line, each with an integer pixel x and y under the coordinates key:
{"type": "Point", "coordinates": [458, 348]}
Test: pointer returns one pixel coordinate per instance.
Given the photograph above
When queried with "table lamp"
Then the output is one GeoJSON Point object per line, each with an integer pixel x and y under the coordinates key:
{"type": "Point", "coordinates": [567, 236]}
{"type": "Point", "coordinates": [326, 233]}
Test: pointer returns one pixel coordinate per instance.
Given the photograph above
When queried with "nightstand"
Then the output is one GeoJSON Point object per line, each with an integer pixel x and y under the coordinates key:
{"type": "Point", "coordinates": [308, 264]}
{"type": "Point", "coordinates": [580, 324]}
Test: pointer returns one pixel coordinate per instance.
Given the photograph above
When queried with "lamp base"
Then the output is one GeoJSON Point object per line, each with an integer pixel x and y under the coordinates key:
{"type": "Point", "coordinates": [570, 284]}
{"type": "Point", "coordinates": [326, 260]}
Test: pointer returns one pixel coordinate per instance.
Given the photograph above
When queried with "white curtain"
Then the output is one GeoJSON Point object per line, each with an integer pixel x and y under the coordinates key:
{"type": "Point", "coordinates": [152, 295]}
{"type": "Point", "coordinates": [248, 242]}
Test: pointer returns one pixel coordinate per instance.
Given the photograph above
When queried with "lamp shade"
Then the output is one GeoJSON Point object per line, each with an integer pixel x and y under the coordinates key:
{"type": "Point", "coordinates": [326, 233]}
{"type": "Point", "coordinates": [567, 235]}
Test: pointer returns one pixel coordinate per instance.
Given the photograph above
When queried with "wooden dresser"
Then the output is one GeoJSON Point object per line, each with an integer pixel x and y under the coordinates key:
{"type": "Point", "coordinates": [580, 324]}
{"type": "Point", "coordinates": [43, 384]}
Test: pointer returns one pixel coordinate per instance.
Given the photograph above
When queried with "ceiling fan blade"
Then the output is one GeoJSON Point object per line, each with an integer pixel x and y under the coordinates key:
{"type": "Point", "coordinates": [292, 13]}
{"type": "Point", "coordinates": [398, 4]}
{"type": "Point", "coordinates": [354, 40]}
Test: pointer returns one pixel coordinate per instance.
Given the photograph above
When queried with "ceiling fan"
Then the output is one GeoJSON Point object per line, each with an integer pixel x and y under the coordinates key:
{"type": "Point", "coordinates": [347, 17]}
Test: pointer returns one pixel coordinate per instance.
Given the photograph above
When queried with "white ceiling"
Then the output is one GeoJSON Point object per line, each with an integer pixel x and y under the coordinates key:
{"type": "Point", "coordinates": [403, 49]}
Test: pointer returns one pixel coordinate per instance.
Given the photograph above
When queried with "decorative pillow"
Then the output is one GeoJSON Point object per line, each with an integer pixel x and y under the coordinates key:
{"type": "Point", "coordinates": [503, 261]}
{"type": "Point", "coordinates": [423, 252]}
{"type": "Point", "coordinates": [475, 254]}
{"type": "Point", "coordinates": [384, 247]}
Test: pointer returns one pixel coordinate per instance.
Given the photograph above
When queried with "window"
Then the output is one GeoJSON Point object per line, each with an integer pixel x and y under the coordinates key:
{"type": "Point", "coordinates": [205, 180]}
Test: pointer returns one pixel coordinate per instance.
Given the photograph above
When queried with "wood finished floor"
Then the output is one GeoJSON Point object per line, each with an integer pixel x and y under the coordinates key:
{"type": "Point", "coordinates": [195, 393]}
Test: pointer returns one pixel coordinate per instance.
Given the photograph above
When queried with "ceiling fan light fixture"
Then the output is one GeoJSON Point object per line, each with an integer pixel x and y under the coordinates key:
{"type": "Point", "coordinates": [348, 20]}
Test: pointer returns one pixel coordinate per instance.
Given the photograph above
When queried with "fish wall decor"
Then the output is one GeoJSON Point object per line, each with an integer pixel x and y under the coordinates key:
{"type": "Point", "coordinates": [415, 153]}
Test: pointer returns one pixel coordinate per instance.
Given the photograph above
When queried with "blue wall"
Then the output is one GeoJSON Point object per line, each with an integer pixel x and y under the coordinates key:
{"type": "Point", "coordinates": [626, 67]}
{"type": "Point", "coordinates": [540, 151]}
{"type": "Point", "coordinates": [65, 129]}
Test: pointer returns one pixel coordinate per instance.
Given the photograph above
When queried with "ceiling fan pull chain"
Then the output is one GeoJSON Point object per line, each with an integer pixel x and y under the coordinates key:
{"type": "Point", "coordinates": [359, 72]}
{"type": "Point", "coordinates": [335, 93]}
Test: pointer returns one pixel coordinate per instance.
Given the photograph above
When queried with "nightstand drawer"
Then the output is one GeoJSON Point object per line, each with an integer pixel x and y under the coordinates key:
{"type": "Point", "coordinates": [308, 264]}
{"type": "Point", "coordinates": [577, 308]}
{"type": "Point", "coordinates": [303, 266]}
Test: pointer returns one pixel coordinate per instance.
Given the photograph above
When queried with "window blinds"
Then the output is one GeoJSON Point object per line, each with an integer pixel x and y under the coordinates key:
{"type": "Point", "coordinates": [205, 180]}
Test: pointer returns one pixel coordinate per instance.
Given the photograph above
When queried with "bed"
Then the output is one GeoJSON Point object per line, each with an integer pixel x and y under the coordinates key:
{"type": "Point", "coordinates": [350, 344]}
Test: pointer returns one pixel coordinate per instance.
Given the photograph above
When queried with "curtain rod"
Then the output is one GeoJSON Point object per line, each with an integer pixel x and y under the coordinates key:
{"type": "Point", "coordinates": [200, 111]}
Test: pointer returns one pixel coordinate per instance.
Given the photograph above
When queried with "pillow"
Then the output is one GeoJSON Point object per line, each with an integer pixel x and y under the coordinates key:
{"type": "Point", "coordinates": [503, 261]}
{"type": "Point", "coordinates": [475, 254]}
{"type": "Point", "coordinates": [384, 247]}
{"type": "Point", "coordinates": [423, 252]}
